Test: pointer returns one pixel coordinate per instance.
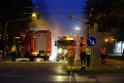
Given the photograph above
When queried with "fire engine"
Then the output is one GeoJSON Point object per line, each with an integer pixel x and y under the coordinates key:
{"type": "Point", "coordinates": [38, 43]}
{"type": "Point", "coordinates": [62, 43]}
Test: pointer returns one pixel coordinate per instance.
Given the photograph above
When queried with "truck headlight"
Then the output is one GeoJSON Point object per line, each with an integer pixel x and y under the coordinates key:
{"type": "Point", "coordinates": [65, 51]}
{"type": "Point", "coordinates": [59, 50]}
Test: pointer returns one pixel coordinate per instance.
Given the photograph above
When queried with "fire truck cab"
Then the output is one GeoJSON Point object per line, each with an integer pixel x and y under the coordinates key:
{"type": "Point", "coordinates": [62, 43]}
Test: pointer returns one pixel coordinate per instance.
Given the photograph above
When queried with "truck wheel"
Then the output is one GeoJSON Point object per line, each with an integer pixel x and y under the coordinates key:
{"type": "Point", "coordinates": [44, 58]}
{"type": "Point", "coordinates": [31, 58]}
{"type": "Point", "coordinates": [47, 58]}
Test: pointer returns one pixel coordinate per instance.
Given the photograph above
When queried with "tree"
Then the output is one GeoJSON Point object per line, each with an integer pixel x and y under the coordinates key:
{"type": "Point", "coordinates": [118, 14]}
{"type": "Point", "coordinates": [90, 10]}
{"type": "Point", "coordinates": [99, 10]}
{"type": "Point", "coordinates": [108, 14]}
{"type": "Point", "coordinates": [18, 9]}
{"type": "Point", "coordinates": [10, 10]}
{"type": "Point", "coordinates": [14, 9]}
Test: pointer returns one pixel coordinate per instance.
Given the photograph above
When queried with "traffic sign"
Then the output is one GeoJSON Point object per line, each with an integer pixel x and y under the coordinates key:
{"type": "Point", "coordinates": [91, 41]}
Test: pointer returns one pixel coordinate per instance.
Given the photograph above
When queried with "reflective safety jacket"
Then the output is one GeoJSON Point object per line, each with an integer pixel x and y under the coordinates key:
{"type": "Point", "coordinates": [70, 51]}
{"type": "Point", "coordinates": [103, 50]}
{"type": "Point", "coordinates": [83, 46]}
{"type": "Point", "coordinates": [88, 51]}
{"type": "Point", "coordinates": [13, 49]}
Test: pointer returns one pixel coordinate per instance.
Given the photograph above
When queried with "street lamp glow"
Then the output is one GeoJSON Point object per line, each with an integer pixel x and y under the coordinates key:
{"type": "Point", "coordinates": [106, 40]}
{"type": "Point", "coordinates": [34, 15]}
{"type": "Point", "coordinates": [77, 28]}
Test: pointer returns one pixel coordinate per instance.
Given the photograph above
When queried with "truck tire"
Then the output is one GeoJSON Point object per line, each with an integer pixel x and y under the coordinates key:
{"type": "Point", "coordinates": [31, 58]}
{"type": "Point", "coordinates": [44, 58]}
{"type": "Point", "coordinates": [47, 58]}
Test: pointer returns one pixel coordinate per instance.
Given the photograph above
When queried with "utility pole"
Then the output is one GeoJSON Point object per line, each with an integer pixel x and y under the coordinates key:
{"type": "Point", "coordinates": [33, 16]}
{"type": "Point", "coordinates": [89, 31]}
{"type": "Point", "coordinates": [5, 31]}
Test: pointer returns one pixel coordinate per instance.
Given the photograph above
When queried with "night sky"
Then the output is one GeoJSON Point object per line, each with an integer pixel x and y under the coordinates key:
{"type": "Point", "coordinates": [58, 11]}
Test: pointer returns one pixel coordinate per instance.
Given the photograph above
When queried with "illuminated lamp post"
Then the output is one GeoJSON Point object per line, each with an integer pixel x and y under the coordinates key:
{"type": "Point", "coordinates": [83, 19]}
{"type": "Point", "coordinates": [77, 29]}
{"type": "Point", "coordinates": [106, 40]}
{"type": "Point", "coordinates": [89, 28]}
{"type": "Point", "coordinates": [33, 16]}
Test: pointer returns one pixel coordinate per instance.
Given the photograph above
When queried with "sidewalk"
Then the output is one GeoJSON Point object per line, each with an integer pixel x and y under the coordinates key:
{"type": "Point", "coordinates": [112, 65]}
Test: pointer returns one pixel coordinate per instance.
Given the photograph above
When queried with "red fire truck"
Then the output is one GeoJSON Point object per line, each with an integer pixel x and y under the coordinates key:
{"type": "Point", "coordinates": [38, 43]}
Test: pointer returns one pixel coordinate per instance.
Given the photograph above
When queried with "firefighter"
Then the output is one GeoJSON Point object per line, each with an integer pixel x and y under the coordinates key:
{"type": "Point", "coordinates": [82, 49]}
{"type": "Point", "coordinates": [70, 57]}
{"type": "Point", "coordinates": [103, 54]}
{"type": "Point", "coordinates": [88, 55]}
{"type": "Point", "coordinates": [123, 52]}
{"type": "Point", "coordinates": [13, 52]}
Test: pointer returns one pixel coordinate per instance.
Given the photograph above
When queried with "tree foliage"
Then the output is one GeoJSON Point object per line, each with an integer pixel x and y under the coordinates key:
{"type": "Point", "coordinates": [10, 10]}
{"type": "Point", "coordinates": [13, 9]}
{"type": "Point", "coordinates": [18, 9]}
{"type": "Point", "coordinates": [108, 14]}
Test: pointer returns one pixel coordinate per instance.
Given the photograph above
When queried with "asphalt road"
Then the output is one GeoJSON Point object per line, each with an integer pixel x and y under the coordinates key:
{"type": "Point", "coordinates": [44, 72]}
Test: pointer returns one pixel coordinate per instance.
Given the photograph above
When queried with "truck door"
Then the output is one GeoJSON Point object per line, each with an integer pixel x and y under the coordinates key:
{"type": "Point", "coordinates": [41, 43]}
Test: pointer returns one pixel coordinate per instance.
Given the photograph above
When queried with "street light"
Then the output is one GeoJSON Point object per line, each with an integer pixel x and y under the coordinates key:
{"type": "Point", "coordinates": [34, 16]}
{"type": "Point", "coordinates": [72, 16]}
{"type": "Point", "coordinates": [83, 19]}
{"type": "Point", "coordinates": [77, 32]}
{"type": "Point", "coordinates": [77, 28]}
{"type": "Point", "coordinates": [89, 28]}
{"type": "Point", "coordinates": [106, 39]}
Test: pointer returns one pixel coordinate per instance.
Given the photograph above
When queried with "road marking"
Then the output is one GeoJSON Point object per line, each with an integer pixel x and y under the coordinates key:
{"type": "Point", "coordinates": [72, 77]}
{"type": "Point", "coordinates": [11, 73]}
